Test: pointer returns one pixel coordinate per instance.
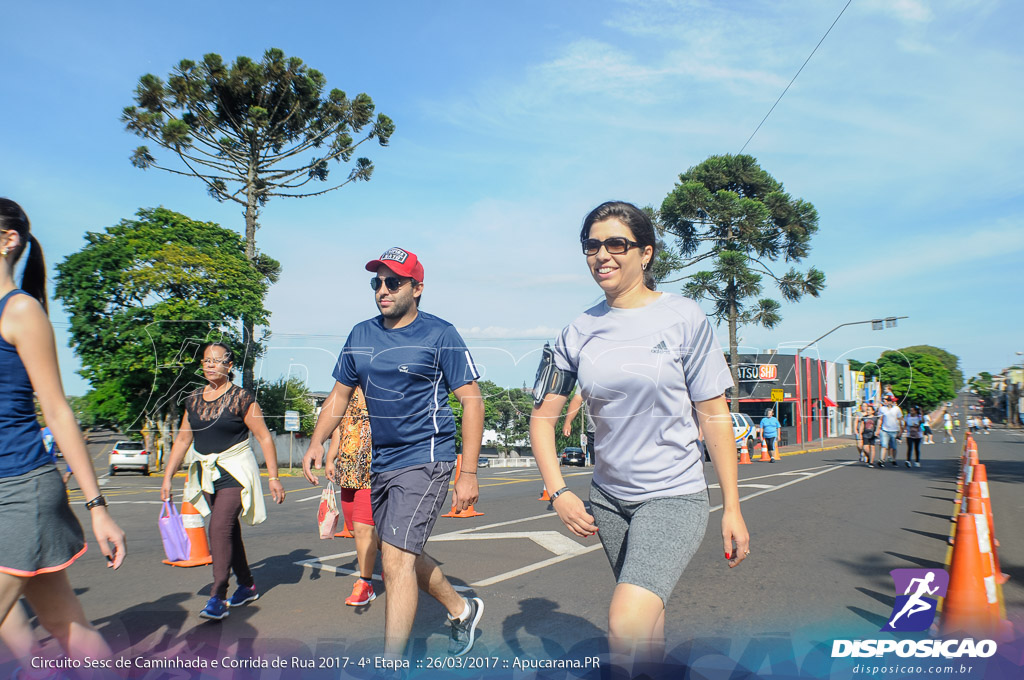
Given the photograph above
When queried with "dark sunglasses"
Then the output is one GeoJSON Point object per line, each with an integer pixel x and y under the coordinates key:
{"type": "Point", "coordinates": [615, 245]}
{"type": "Point", "coordinates": [392, 282]}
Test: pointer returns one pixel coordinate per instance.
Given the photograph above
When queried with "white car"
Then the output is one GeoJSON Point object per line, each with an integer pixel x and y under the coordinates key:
{"type": "Point", "coordinates": [743, 429]}
{"type": "Point", "coordinates": [129, 456]}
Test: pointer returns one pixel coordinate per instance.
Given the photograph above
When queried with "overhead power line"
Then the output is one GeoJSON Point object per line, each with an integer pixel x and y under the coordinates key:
{"type": "Point", "coordinates": [795, 77]}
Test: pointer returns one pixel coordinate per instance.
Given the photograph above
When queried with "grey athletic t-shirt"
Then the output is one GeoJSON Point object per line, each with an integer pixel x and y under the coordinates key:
{"type": "Point", "coordinates": [640, 370]}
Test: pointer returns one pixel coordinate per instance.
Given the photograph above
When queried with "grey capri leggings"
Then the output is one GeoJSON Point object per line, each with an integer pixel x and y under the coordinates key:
{"type": "Point", "coordinates": [649, 543]}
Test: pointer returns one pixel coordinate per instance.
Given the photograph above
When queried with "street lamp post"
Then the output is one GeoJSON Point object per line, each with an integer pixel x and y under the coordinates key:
{"type": "Point", "coordinates": [876, 325]}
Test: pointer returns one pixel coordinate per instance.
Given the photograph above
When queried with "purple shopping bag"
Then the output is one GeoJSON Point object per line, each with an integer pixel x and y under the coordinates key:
{"type": "Point", "coordinates": [172, 532]}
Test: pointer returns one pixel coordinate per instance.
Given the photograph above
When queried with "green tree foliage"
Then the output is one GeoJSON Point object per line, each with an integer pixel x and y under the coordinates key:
{"type": "Point", "coordinates": [870, 368]}
{"type": "Point", "coordinates": [507, 412]}
{"type": "Point", "coordinates": [982, 384]}
{"type": "Point", "coordinates": [667, 260]}
{"type": "Point", "coordinates": [917, 379]}
{"type": "Point", "coordinates": [737, 220]}
{"type": "Point", "coordinates": [252, 131]}
{"type": "Point", "coordinates": [286, 395]}
{"type": "Point", "coordinates": [950, 361]}
{"type": "Point", "coordinates": [82, 408]}
{"type": "Point", "coordinates": [143, 297]}
{"type": "Point", "coordinates": [510, 418]}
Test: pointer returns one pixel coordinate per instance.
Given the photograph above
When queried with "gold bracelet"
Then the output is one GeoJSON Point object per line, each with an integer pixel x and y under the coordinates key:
{"type": "Point", "coordinates": [273, 479]}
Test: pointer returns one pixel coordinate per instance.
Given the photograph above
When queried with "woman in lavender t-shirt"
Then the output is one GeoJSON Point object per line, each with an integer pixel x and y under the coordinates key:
{"type": "Point", "coordinates": [652, 373]}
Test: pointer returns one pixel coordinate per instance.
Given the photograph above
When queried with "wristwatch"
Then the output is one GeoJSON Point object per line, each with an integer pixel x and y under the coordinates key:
{"type": "Point", "coordinates": [98, 502]}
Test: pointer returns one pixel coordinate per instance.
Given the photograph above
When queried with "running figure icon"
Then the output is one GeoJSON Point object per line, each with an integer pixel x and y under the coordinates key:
{"type": "Point", "coordinates": [916, 604]}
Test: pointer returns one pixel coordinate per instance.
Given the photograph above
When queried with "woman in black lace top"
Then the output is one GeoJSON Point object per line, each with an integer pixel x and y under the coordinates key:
{"type": "Point", "coordinates": [223, 476]}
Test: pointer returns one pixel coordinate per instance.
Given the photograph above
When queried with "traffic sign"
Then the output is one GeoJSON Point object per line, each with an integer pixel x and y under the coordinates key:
{"type": "Point", "coordinates": [777, 395]}
{"type": "Point", "coordinates": [291, 421]}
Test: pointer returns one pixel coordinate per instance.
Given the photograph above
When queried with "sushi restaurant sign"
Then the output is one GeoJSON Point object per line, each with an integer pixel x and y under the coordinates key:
{"type": "Point", "coordinates": [758, 372]}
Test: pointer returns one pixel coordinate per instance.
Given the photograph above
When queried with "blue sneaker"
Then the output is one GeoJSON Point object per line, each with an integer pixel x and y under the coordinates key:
{"type": "Point", "coordinates": [244, 595]}
{"type": "Point", "coordinates": [215, 609]}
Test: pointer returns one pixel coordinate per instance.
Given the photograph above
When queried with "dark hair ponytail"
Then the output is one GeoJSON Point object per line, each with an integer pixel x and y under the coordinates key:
{"type": "Point", "coordinates": [33, 279]}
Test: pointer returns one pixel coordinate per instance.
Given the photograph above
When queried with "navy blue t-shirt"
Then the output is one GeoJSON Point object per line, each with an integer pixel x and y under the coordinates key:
{"type": "Point", "coordinates": [406, 374]}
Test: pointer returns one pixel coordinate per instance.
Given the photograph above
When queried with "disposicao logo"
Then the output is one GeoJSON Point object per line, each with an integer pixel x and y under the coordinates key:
{"type": "Point", "coordinates": [914, 610]}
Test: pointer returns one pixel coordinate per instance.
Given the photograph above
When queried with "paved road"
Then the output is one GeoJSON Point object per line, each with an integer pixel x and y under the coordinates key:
{"type": "Point", "coordinates": [825, 529]}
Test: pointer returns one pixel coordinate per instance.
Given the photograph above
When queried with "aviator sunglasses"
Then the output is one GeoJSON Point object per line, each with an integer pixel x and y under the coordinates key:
{"type": "Point", "coordinates": [392, 282]}
{"type": "Point", "coordinates": [616, 245]}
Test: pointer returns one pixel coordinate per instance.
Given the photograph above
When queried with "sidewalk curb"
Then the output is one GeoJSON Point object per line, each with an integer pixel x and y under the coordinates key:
{"type": "Point", "coordinates": [824, 448]}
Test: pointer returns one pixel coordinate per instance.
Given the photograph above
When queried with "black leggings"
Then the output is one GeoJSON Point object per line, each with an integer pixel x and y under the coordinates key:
{"type": "Point", "coordinates": [915, 445]}
{"type": "Point", "coordinates": [226, 546]}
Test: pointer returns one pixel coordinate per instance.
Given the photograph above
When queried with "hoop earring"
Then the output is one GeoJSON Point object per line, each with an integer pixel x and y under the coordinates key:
{"type": "Point", "coordinates": [3, 252]}
{"type": "Point", "coordinates": [644, 266]}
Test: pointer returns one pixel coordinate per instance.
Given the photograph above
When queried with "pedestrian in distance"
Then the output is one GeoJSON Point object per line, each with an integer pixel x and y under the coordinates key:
{"type": "Point", "coordinates": [39, 533]}
{"type": "Point", "coordinates": [649, 498]}
{"type": "Point", "coordinates": [947, 425]}
{"type": "Point", "coordinates": [223, 475]}
{"type": "Point", "coordinates": [768, 430]}
{"type": "Point", "coordinates": [926, 429]}
{"type": "Point", "coordinates": [868, 427]}
{"type": "Point", "coordinates": [890, 429]}
{"type": "Point", "coordinates": [912, 426]}
{"type": "Point", "coordinates": [415, 354]}
{"type": "Point", "coordinates": [348, 465]}
{"type": "Point", "coordinates": [50, 444]}
{"type": "Point", "coordinates": [857, 416]}
{"type": "Point", "coordinates": [987, 424]}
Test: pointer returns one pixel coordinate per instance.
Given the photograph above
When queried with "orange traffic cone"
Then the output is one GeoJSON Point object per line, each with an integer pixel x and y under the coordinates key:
{"type": "Point", "coordinates": [468, 512]}
{"type": "Point", "coordinates": [744, 454]}
{"type": "Point", "coordinates": [981, 476]}
{"type": "Point", "coordinates": [199, 554]}
{"type": "Point", "coordinates": [967, 603]}
{"type": "Point", "coordinates": [544, 495]}
{"type": "Point", "coordinates": [765, 456]}
{"type": "Point", "coordinates": [966, 469]}
{"type": "Point", "coordinates": [346, 529]}
{"type": "Point", "coordinates": [988, 567]}
{"type": "Point", "coordinates": [971, 496]}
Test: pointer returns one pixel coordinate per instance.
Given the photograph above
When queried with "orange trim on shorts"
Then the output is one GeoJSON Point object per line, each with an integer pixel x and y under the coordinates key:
{"type": "Point", "coordinates": [47, 570]}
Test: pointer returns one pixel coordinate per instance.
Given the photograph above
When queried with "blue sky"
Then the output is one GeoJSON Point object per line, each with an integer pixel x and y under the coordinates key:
{"type": "Point", "coordinates": [514, 119]}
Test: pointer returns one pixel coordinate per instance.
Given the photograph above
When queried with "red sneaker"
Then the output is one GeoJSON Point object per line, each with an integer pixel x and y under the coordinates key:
{"type": "Point", "coordinates": [362, 593]}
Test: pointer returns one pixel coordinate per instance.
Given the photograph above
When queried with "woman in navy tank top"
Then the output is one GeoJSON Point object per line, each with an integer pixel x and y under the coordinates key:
{"type": "Point", "coordinates": [38, 531]}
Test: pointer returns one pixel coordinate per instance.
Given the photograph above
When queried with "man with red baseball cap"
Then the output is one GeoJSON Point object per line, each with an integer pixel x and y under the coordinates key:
{"type": "Point", "coordinates": [399, 261]}
{"type": "Point", "coordinates": [407, 362]}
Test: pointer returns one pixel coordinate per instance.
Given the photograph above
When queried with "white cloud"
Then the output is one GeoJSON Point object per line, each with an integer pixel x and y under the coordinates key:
{"type": "Point", "coordinates": [906, 11]}
{"type": "Point", "coordinates": [592, 66]}
{"type": "Point", "coordinates": [923, 256]}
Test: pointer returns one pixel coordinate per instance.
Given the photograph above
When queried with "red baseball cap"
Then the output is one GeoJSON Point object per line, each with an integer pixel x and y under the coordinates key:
{"type": "Point", "coordinates": [400, 261]}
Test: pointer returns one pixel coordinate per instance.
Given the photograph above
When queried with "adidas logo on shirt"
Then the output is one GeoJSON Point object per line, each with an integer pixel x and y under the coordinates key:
{"type": "Point", "coordinates": [660, 348]}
